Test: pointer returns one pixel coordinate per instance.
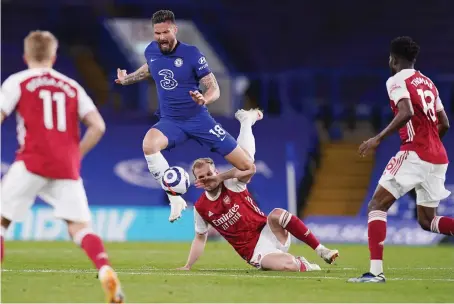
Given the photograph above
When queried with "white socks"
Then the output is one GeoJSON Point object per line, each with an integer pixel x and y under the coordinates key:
{"type": "Point", "coordinates": [320, 249]}
{"type": "Point", "coordinates": [246, 139]}
{"type": "Point", "coordinates": [157, 165]}
{"type": "Point", "coordinates": [376, 267]}
{"type": "Point", "coordinates": [103, 270]}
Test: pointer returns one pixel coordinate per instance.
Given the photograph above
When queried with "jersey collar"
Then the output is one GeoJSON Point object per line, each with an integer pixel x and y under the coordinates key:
{"type": "Point", "coordinates": [214, 198]}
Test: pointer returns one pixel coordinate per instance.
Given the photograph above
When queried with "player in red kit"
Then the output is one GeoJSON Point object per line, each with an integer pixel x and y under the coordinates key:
{"type": "Point", "coordinates": [48, 108]}
{"type": "Point", "coordinates": [422, 161]}
{"type": "Point", "coordinates": [227, 206]}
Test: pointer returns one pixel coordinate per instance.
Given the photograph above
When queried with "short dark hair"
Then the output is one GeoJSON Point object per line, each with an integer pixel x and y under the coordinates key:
{"type": "Point", "coordinates": [405, 47]}
{"type": "Point", "coordinates": [163, 16]}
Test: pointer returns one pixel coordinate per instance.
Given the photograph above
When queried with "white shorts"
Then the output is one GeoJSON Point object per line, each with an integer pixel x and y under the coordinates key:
{"type": "Point", "coordinates": [268, 243]}
{"type": "Point", "coordinates": [406, 171]}
{"type": "Point", "coordinates": [21, 187]}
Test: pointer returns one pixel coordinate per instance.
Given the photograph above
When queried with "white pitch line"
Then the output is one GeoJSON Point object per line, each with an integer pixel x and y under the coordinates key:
{"type": "Point", "coordinates": [332, 268]}
{"type": "Point", "coordinates": [161, 272]}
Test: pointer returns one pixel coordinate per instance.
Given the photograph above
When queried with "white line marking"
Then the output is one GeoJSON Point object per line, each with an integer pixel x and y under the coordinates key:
{"type": "Point", "coordinates": [159, 272]}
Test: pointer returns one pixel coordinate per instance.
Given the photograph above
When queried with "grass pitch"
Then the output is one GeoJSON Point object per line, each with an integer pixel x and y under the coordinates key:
{"type": "Point", "coordinates": [59, 272]}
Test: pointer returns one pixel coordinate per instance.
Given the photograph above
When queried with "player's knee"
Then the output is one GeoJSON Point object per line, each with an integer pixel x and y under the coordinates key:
{"type": "Point", "coordinates": [382, 200]}
{"type": "Point", "coordinates": [149, 148]}
{"type": "Point", "coordinates": [153, 142]}
{"type": "Point", "coordinates": [275, 215]}
{"type": "Point", "coordinates": [246, 164]}
{"type": "Point", "coordinates": [290, 265]}
{"type": "Point", "coordinates": [5, 222]}
{"type": "Point", "coordinates": [377, 204]}
{"type": "Point", "coordinates": [74, 228]}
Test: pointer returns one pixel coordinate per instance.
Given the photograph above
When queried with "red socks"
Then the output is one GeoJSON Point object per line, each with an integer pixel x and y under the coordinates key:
{"type": "Point", "coordinates": [302, 267]}
{"type": "Point", "coordinates": [376, 230]}
{"type": "Point", "coordinates": [2, 249]}
{"type": "Point", "coordinates": [377, 233]}
{"type": "Point", "coordinates": [89, 242]}
{"type": "Point", "coordinates": [442, 225]}
{"type": "Point", "coordinates": [297, 228]}
{"type": "Point", "coordinates": [93, 247]}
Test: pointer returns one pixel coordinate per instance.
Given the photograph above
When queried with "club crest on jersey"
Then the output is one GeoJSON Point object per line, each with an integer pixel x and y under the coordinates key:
{"type": "Point", "coordinates": [178, 62]}
{"type": "Point", "coordinates": [226, 200]}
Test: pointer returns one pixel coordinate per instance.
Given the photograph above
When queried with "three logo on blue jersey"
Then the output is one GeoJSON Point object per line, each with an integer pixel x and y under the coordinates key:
{"type": "Point", "coordinates": [168, 83]}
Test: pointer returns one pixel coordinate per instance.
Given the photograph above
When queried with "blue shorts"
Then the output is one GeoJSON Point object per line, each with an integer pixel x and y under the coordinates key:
{"type": "Point", "coordinates": [202, 128]}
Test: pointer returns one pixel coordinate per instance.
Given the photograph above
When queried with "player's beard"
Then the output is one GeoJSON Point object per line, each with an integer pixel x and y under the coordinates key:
{"type": "Point", "coordinates": [165, 46]}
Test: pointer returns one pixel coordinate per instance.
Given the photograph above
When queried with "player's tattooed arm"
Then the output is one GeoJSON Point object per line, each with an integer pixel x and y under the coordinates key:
{"type": "Point", "coordinates": [126, 79]}
{"type": "Point", "coordinates": [211, 90]}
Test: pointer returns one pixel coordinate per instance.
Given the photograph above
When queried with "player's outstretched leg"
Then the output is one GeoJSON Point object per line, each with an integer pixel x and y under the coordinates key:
{"type": "Point", "coordinates": [282, 218]}
{"type": "Point", "coordinates": [246, 138]}
{"type": "Point", "coordinates": [153, 143]}
{"type": "Point", "coordinates": [287, 262]}
{"type": "Point", "coordinates": [376, 230]}
{"type": "Point", "coordinates": [242, 156]}
{"type": "Point", "coordinates": [93, 246]}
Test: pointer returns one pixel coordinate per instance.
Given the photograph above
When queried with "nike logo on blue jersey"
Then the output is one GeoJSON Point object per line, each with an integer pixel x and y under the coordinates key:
{"type": "Point", "coordinates": [151, 60]}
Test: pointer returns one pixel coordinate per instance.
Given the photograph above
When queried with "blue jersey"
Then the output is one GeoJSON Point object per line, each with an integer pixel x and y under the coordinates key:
{"type": "Point", "coordinates": [175, 75]}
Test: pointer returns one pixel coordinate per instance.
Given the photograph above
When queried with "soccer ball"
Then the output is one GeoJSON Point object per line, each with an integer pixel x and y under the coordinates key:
{"type": "Point", "coordinates": [175, 181]}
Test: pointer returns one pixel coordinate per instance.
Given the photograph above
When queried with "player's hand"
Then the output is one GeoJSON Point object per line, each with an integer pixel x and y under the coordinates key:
{"type": "Point", "coordinates": [370, 144]}
{"type": "Point", "coordinates": [209, 182]}
{"type": "Point", "coordinates": [198, 97]}
{"type": "Point", "coordinates": [121, 74]}
{"type": "Point", "coordinates": [184, 268]}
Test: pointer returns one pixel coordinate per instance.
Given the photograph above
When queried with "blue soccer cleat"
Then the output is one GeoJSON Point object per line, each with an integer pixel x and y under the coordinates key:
{"type": "Point", "coordinates": [368, 278]}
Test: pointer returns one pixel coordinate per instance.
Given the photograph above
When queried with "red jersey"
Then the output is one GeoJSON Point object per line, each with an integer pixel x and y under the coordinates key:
{"type": "Point", "coordinates": [420, 134]}
{"type": "Point", "coordinates": [48, 107]}
{"type": "Point", "coordinates": [234, 214]}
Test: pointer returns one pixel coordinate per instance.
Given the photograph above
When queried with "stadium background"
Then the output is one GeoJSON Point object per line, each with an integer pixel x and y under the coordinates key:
{"type": "Point", "coordinates": [317, 68]}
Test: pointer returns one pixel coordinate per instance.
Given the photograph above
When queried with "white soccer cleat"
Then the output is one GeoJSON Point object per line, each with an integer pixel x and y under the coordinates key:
{"type": "Point", "coordinates": [252, 115]}
{"type": "Point", "coordinates": [309, 266]}
{"type": "Point", "coordinates": [369, 278]}
{"type": "Point", "coordinates": [328, 255]}
{"type": "Point", "coordinates": [177, 205]}
{"type": "Point", "coordinates": [111, 285]}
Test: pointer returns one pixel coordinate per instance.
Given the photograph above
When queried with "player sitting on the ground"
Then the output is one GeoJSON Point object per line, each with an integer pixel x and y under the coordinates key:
{"type": "Point", "coordinates": [177, 69]}
{"type": "Point", "coordinates": [49, 106]}
{"type": "Point", "coordinates": [422, 161]}
{"type": "Point", "coordinates": [226, 205]}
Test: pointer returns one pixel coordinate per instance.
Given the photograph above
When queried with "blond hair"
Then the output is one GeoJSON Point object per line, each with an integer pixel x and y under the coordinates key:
{"type": "Point", "coordinates": [199, 162]}
{"type": "Point", "coordinates": [40, 46]}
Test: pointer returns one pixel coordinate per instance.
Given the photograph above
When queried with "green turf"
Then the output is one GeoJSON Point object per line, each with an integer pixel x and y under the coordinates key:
{"type": "Point", "coordinates": [59, 272]}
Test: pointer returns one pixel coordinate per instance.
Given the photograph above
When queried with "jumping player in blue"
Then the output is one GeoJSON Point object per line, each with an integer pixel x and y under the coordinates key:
{"type": "Point", "coordinates": [178, 69]}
